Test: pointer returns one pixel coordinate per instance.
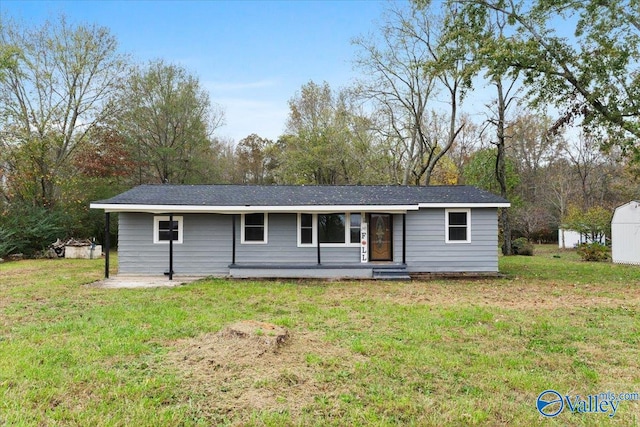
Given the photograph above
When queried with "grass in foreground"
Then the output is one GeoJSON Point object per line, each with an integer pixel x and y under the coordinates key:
{"type": "Point", "coordinates": [457, 352]}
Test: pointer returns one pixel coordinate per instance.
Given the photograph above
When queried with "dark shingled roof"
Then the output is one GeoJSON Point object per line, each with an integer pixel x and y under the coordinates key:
{"type": "Point", "coordinates": [300, 195]}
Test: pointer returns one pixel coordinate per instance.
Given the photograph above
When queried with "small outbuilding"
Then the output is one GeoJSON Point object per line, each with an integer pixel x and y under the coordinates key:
{"type": "Point", "coordinates": [625, 234]}
{"type": "Point", "coordinates": [570, 239]}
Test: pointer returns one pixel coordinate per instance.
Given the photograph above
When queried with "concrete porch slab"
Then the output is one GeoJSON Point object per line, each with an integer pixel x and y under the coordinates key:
{"type": "Point", "coordinates": [132, 282]}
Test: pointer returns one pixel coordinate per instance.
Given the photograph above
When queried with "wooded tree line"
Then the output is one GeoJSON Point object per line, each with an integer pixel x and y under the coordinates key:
{"type": "Point", "coordinates": [556, 132]}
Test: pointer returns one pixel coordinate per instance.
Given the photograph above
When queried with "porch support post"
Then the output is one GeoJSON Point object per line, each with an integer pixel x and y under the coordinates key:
{"type": "Point", "coordinates": [404, 238]}
{"type": "Point", "coordinates": [318, 240]}
{"type": "Point", "coordinates": [107, 243]}
{"type": "Point", "coordinates": [233, 239]}
{"type": "Point", "coordinates": [170, 246]}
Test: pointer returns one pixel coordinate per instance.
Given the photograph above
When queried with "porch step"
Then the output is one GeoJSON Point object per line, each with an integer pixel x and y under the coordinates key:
{"type": "Point", "coordinates": [396, 273]}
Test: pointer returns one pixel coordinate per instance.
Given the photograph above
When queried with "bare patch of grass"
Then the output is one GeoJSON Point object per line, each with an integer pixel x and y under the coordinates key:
{"type": "Point", "coordinates": [256, 366]}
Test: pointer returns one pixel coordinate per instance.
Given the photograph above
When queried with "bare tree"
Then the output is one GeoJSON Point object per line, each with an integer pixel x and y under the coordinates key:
{"type": "Point", "coordinates": [408, 66]}
{"type": "Point", "coordinates": [468, 141]}
{"type": "Point", "coordinates": [586, 160]}
{"type": "Point", "coordinates": [533, 148]}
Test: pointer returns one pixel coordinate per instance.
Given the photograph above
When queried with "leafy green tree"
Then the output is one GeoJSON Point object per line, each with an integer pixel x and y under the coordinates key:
{"type": "Point", "coordinates": [253, 160]}
{"type": "Point", "coordinates": [587, 67]}
{"type": "Point", "coordinates": [593, 223]}
{"type": "Point", "coordinates": [8, 58]}
{"type": "Point", "coordinates": [326, 142]}
{"type": "Point", "coordinates": [53, 90]}
{"type": "Point", "coordinates": [474, 39]}
{"type": "Point", "coordinates": [445, 173]}
{"type": "Point", "coordinates": [168, 122]}
{"type": "Point", "coordinates": [316, 143]}
{"type": "Point", "coordinates": [222, 161]}
{"type": "Point", "coordinates": [480, 171]}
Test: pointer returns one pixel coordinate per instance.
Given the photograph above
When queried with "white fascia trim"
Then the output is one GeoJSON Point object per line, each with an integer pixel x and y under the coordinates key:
{"type": "Point", "coordinates": [159, 209]}
{"type": "Point", "coordinates": [463, 205]}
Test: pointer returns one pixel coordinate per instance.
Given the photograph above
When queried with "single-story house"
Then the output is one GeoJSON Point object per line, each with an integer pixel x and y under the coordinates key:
{"type": "Point", "coordinates": [351, 231]}
{"type": "Point", "coordinates": [625, 234]}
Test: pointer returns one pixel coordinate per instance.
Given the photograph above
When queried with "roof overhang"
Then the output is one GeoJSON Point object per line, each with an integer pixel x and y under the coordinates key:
{"type": "Point", "coordinates": [159, 209]}
{"type": "Point", "coordinates": [463, 205]}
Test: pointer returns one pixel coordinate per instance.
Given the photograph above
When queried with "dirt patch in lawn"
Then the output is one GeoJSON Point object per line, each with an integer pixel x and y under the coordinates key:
{"type": "Point", "coordinates": [252, 366]}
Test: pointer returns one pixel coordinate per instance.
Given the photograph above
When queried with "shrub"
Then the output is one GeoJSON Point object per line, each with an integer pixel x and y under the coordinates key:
{"type": "Point", "coordinates": [593, 252]}
{"type": "Point", "coordinates": [28, 229]}
{"type": "Point", "coordinates": [8, 241]}
{"type": "Point", "coordinates": [521, 246]}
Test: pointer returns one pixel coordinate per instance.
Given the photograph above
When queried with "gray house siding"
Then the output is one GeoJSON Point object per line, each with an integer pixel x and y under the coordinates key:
{"type": "Point", "coordinates": [427, 250]}
{"type": "Point", "coordinates": [282, 246]}
{"type": "Point", "coordinates": [207, 245]}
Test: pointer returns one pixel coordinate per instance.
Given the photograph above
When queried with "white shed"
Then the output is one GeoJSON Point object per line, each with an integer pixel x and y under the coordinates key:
{"type": "Point", "coordinates": [568, 239]}
{"type": "Point", "coordinates": [625, 234]}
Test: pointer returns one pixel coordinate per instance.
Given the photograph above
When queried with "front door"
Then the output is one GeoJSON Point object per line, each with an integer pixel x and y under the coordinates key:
{"type": "Point", "coordinates": [380, 237]}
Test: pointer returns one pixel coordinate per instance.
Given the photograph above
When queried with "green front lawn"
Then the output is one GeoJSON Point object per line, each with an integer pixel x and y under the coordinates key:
{"type": "Point", "coordinates": [445, 352]}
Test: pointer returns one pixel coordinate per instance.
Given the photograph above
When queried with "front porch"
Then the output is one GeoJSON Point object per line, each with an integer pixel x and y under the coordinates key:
{"type": "Point", "coordinates": [381, 271]}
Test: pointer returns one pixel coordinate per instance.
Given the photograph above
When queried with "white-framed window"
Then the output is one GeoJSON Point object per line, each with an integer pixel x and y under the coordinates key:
{"type": "Point", "coordinates": [355, 222]}
{"type": "Point", "coordinates": [457, 225]}
{"type": "Point", "coordinates": [254, 228]}
{"type": "Point", "coordinates": [163, 229]}
{"type": "Point", "coordinates": [334, 229]}
{"type": "Point", "coordinates": [307, 225]}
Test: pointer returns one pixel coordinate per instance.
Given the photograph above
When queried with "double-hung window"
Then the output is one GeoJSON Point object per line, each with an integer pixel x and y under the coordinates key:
{"type": "Point", "coordinates": [164, 230]}
{"type": "Point", "coordinates": [355, 221]}
{"type": "Point", "coordinates": [458, 225]}
{"type": "Point", "coordinates": [306, 229]}
{"type": "Point", "coordinates": [254, 228]}
{"type": "Point", "coordinates": [335, 229]}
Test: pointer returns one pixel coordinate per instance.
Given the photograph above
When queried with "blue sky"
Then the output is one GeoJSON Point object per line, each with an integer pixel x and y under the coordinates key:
{"type": "Point", "coordinates": [252, 56]}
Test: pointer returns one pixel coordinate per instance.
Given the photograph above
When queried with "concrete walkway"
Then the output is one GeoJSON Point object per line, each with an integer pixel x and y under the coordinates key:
{"type": "Point", "coordinates": [125, 281]}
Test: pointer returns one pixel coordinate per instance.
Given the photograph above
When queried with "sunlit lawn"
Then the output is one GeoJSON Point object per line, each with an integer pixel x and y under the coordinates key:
{"type": "Point", "coordinates": [444, 352]}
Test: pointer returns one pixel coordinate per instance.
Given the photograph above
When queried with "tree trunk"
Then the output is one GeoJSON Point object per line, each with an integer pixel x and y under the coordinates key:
{"type": "Point", "coordinates": [501, 169]}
